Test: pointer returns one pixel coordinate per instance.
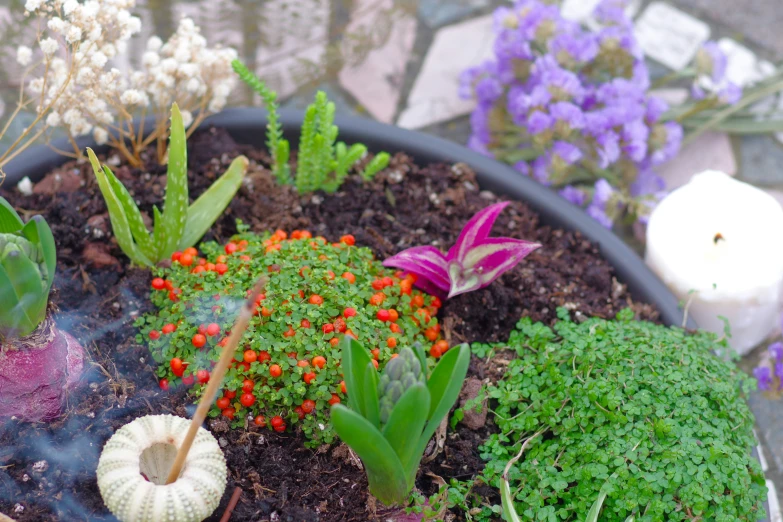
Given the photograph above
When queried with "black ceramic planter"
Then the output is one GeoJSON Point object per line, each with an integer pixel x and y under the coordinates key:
{"type": "Point", "coordinates": [247, 126]}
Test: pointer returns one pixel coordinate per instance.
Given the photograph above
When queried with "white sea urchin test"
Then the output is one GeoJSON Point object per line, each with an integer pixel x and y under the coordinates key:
{"type": "Point", "coordinates": [135, 462]}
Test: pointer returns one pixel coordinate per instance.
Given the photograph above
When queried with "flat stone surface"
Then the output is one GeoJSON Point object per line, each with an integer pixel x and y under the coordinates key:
{"type": "Point", "coordinates": [761, 163]}
{"type": "Point", "coordinates": [436, 13]}
{"type": "Point", "coordinates": [759, 21]}
{"type": "Point", "coordinates": [434, 97]}
{"type": "Point", "coordinates": [377, 81]}
{"type": "Point", "coordinates": [669, 35]}
{"type": "Point", "coordinates": [710, 151]}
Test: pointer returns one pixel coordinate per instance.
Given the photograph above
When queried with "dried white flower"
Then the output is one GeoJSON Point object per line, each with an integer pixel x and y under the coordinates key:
{"type": "Point", "coordinates": [23, 55]}
{"type": "Point", "coordinates": [132, 97]}
{"type": "Point", "coordinates": [69, 6]}
{"type": "Point", "coordinates": [99, 59]}
{"type": "Point", "coordinates": [53, 119]}
{"type": "Point", "coordinates": [48, 46]}
{"type": "Point", "coordinates": [25, 186]}
{"type": "Point", "coordinates": [56, 25]}
{"type": "Point", "coordinates": [32, 5]}
{"type": "Point", "coordinates": [154, 43]}
{"type": "Point", "coordinates": [100, 135]}
{"type": "Point", "coordinates": [73, 34]}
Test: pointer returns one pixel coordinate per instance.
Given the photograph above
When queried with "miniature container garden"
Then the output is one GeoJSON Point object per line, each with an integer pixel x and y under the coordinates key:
{"type": "Point", "coordinates": [405, 260]}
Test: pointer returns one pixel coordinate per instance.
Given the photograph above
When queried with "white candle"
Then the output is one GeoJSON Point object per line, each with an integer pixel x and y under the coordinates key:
{"type": "Point", "coordinates": [719, 242]}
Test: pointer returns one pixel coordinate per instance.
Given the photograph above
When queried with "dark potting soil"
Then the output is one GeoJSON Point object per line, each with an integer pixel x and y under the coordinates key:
{"type": "Point", "coordinates": [47, 472]}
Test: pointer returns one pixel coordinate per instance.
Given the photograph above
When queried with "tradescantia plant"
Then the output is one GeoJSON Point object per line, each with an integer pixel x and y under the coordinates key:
{"type": "Point", "coordinates": [474, 261]}
{"type": "Point", "coordinates": [390, 419]}
{"type": "Point", "coordinates": [178, 226]}
{"type": "Point", "coordinates": [322, 164]}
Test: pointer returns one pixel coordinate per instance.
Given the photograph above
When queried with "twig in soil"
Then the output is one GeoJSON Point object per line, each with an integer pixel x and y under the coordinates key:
{"type": "Point", "coordinates": [216, 379]}
{"type": "Point", "coordinates": [231, 504]}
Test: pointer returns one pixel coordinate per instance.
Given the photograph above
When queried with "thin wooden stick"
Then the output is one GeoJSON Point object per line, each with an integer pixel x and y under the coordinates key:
{"type": "Point", "coordinates": [216, 379]}
{"type": "Point", "coordinates": [231, 504]}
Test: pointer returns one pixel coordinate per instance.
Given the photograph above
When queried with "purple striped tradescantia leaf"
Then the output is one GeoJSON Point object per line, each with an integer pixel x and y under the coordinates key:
{"type": "Point", "coordinates": [474, 261]}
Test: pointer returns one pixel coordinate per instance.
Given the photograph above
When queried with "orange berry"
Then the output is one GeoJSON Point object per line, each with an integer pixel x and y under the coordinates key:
{"type": "Point", "coordinates": [377, 299]}
{"type": "Point", "coordinates": [348, 239]}
{"type": "Point", "coordinates": [190, 251]}
{"type": "Point", "coordinates": [349, 277]}
{"type": "Point", "coordinates": [309, 377]}
{"type": "Point", "coordinates": [280, 235]}
{"type": "Point", "coordinates": [394, 356]}
{"type": "Point", "coordinates": [275, 370]}
{"type": "Point", "coordinates": [375, 363]}
{"type": "Point", "coordinates": [305, 234]}
{"type": "Point", "coordinates": [393, 315]}
{"type": "Point", "coordinates": [435, 351]}
{"type": "Point", "coordinates": [350, 333]}
{"type": "Point", "coordinates": [250, 356]}
{"type": "Point", "coordinates": [221, 268]}
{"type": "Point", "coordinates": [391, 342]}
{"type": "Point", "coordinates": [342, 387]}
{"type": "Point", "coordinates": [406, 287]}
{"type": "Point", "coordinates": [411, 277]}
{"type": "Point", "coordinates": [303, 363]}
{"type": "Point", "coordinates": [319, 361]}
{"type": "Point", "coordinates": [395, 328]}
{"type": "Point", "coordinates": [334, 341]}
{"type": "Point", "coordinates": [198, 270]}
{"type": "Point", "coordinates": [290, 332]}
{"type": "Point", "coordinates": [431, 334]}
{"type": "Point", "coordinates": [442, 345]}
{"type": "Point", "coordinates": [334, 400]}
{"type": "Point", "coordinates": [266, 312]}
{"type": "Point", "coordinates": [186, 260]}
{"type": "Point", "coordinates": [316, 299]}
{"type": "Point", "coordinates": [375, 353]}
{"type": "Point", "coordinates": [417, 300]}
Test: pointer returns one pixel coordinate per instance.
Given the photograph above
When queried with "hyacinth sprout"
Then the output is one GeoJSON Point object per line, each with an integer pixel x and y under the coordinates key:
{"type": "Point", "coordinates": [571, 107]}
{"type": "Point", "coordinates": [390, 418]}
{"type": "Point", "coordinates": [474, 261]}
{"type": "Point", "coordinates": [38, 360]}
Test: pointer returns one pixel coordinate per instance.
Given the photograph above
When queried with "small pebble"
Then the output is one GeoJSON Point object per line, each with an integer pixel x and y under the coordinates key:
{"type": "Point", "coordinates": [25, 477]}
{"type": "Point", "coordinates": [18, 508]}
{"type": "Point", "coordinates": [223, 442]}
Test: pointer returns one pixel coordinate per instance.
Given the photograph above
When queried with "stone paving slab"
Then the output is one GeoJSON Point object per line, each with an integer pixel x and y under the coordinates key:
{"type": "Point", "coordinates": [670, 35]}
{"type": "Point", "coordinates": [758, 21]}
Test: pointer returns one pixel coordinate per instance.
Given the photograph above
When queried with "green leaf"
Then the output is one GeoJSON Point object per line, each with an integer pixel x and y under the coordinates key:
{"type": "Point", "coordinates": [377, 164]}
{"type": "Point", "coordinates": [119, 221]}
{"type": "Point", "coordinates": [175, 206]}
{"type": "Point", "coordinates": [384, 469]}
{"type": "Point", "coordinates": [157, 226]}
{"type": "Point", "coordinates": [444, 385]}
{"type": "Point", "coordinates": [354, 361]}
{"type": "Point", "coordinates": [507, 501]}
{"type": "Point", "coordinates": [203, 213]}
{"type": "Point", "coordinates": [282, 170]}
{"type": "Point", "coordinates": [370, 395]}
{"type": "Point", "coordinates": [37, 231]}
{"type": "Point", "coordinates": [403, 430]}
{"type": "Point", "coordinates": [595, 509]}
{"type": "Point", "coordinates": [9, 219]}
{"type": "Point", "coordinates": [12, 314]}
{"type": "Point", "coordinates": [32, 298]}
{"type": "Point", "coordinates": [135, 222]}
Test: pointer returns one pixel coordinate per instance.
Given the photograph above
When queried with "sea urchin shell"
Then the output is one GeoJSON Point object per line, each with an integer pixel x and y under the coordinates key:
{"type": "Point", "coordinates": [134, 465]}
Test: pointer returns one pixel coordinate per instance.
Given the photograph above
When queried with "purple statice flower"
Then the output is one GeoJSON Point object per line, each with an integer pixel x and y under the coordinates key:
{"type": "Point", "coordinates": [567, 115]}
{"type": "Point", "coordinates": [656, 107]}
{"type": "Point", "coordinates": [730, 93]}
{"type": "Point", "coordinates": [608, 149]}
{"type": "Point", "coordinates": [562, 84]}
{"type": "Point", "coordinates": [479, 123]}
{"type": "Point", "coordinates": [573, 195]}
{"type": "Point", "coordinates": [671, 145]}
{"type": "Point", "coordinates": [488, 89]}
{"type": "Point", "coordinates": [647, 182]}
{"type": "Point", "coordinates": [541, 167]}
{"type": "Point", "coordinates": [634, 136]}
{"type": "Point", "coordinates": [612, 12]}
{"type": "Point", "coordinates": [712, 61]}
{"type": "Point", "coordinates": [539, 122]}
{"type": "Point", "coordinates": [574, 47]}
{"type": "Point", "coordinates": [567, 152]}
{"type": "Point", "coordinates": [763, 375]}
{"type": "Point", "coordinates": [522, 167]}
{"type": "Point", "coordinates": [602, 196]}
{"type": "Point", "coordinates": [776, 351]}
{"type": "Point", "coordinates": [518, 104]}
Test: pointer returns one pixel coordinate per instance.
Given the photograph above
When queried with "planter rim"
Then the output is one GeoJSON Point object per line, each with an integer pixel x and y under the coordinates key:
{"type": "Point", "coordinates": [247, 125]}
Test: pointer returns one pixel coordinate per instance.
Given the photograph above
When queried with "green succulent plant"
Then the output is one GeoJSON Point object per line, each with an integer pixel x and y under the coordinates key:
{"type": "Point", "coordinates": [390, 419]}
{"type": "Point", "coordinates": [178, 226]}
{"type": "Point", "coordinates": [28, 259]}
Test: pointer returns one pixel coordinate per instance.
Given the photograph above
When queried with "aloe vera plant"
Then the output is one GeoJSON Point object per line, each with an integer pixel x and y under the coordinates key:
{"type": "Point", "coordinates": [37, 360]}
{"type": "Point", "coordinates": [178, 226]}
{"type": "Point", "coordinates": [391, 417]}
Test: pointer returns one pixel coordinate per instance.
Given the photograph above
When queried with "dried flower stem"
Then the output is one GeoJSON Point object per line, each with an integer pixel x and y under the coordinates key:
{"type": "Point", "coordinates": [216, 379]}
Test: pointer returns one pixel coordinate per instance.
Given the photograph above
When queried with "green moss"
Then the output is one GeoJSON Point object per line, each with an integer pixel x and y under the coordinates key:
{"type": "Point", "coordinates": [644, 410]}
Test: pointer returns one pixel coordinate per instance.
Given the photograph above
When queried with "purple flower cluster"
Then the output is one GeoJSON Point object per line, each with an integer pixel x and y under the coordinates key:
{"type": "Point", "coordinates": [577, 102]}
{"type": "Point", "coordinates": [711, 64]}
{"type": "Point", "coordinates": [770, 374]}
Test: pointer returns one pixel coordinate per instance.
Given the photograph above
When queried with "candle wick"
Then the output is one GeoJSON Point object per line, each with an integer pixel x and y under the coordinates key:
{"type": "Point", "coordinates": [718, 237]}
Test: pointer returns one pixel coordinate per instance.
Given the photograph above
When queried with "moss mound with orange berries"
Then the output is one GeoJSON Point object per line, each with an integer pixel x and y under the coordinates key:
{"type": "Point", "coordinates": [287, 370]}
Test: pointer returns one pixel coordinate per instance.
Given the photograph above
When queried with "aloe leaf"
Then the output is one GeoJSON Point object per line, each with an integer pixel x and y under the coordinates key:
{"type": "Point", "coordinates": [354, 361]}
{"type": "Point", "coordinates": [119, 222]}
{"type": "Point", "coordinates": [384, 469]}
{"type": "Point", "coordinates": [444, 385]}
{"type": "Point", "coordinates": [281, 169]}
{"type": "Point", "coordinates": [175, 206]}
{"type": "Point", "coordinates": [157, 228]}
{"type": "Point", "coordinates": [37, 231]}
{"type": "Point", "coordinates": [203, 213]}
{"type": "Point", "coordinates": [9, 219]}
{"type": "Point", "coordinates": [370, 395]}
{"type": "Point", "coordinates": [135, 222]}
{"type": "Point", "coordinates": [13, 318]}
{"type": "Point", "coordinates": [406, 421]}
{"type": "Point", "coordinates": [25, 279]}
